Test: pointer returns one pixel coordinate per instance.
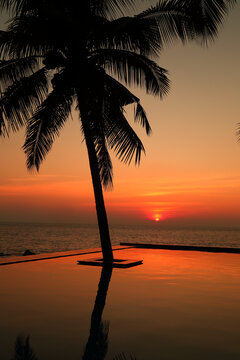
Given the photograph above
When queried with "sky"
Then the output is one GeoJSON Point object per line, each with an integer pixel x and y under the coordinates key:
{"type": "Point", "coordinates": [190, 175]}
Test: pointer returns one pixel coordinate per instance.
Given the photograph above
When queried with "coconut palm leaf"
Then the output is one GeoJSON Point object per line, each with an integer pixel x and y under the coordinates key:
{"type": "Point", "coordinates": [238, 132]}
{"type": "Point", "coordinates": [17, 7]}
{"type": "Point", "coordinates": [188, 19]}
{"type": "Point", "coordinates": [129, 33]}
{"type": "Point", "coordinates": [118, 92]}
{"type": "Point", "coordinates": [104, 161]}
{"type": "Point", "coordinates": [206, 15]}
{"type": "Point", "coordinates": [3, 126]}
{"type": "Point", "coordinates": [16, 45]}
{"type": "Point", "coordinates": [23, 38]}
{"type": "Point", "coordinates": [46, 124]}
{"type": "Point", "coordinates": [8, 4]}
{"type": "Point", "coordinates": [120, 96]}
{"type": "Point", "coordinates": [15, 69]}
{"type": "Point", "coordinates": [148, 31]}
{"type": "Point", "coordinates": [141, 117]}
{"type": "Point", "coordinates": [134, 69]}
{"type": "Point", "coordinates": [33, 33]}
{"type": "Point", "coordinates": [121, 137]}
{"type": "Point", "coordinates": [111, 96]}
{"type": "Point", "coordinates": [13, 6]}
{"type": "Point", "coordinates": [172, 20]}
{"type": "Point", "coordinates": [97, 129]}
{"type": "Point", "coordinates": [21, 98]}
{"type": "Point", "coordinates": [111, 8]}
{"type": "Point", "coordinates": [111, 123]}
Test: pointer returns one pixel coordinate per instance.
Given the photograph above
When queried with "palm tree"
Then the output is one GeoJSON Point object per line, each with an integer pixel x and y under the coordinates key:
{"type": "Point", "coordinates": [58, 55]}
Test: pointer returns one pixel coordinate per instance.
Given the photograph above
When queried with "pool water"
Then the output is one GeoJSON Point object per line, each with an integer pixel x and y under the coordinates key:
{"type": "Point", "coordinates": [176, 305]}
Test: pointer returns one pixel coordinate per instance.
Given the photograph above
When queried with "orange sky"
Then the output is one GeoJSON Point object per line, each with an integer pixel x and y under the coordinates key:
{"type": "Point", "coordinates": [191, 172]}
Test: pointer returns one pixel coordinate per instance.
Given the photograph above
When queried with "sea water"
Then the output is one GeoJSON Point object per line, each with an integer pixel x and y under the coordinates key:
{"type": "Point", "coordinates": [15, 238]}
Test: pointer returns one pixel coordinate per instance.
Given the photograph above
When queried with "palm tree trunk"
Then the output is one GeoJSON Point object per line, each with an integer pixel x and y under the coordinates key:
{"type": "Point", "coordinates": [98, 192]}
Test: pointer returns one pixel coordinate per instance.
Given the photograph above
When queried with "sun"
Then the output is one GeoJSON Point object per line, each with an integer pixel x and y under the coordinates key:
{"type": "Point", "coordinates": [157, 217]}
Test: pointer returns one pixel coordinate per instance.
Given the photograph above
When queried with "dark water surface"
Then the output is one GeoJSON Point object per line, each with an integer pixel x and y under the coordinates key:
{"type": "Point", "coordinates": [16, 238]}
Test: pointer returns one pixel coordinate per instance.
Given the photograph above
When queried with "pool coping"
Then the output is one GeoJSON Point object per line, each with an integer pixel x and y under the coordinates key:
{"type": "Point", "coordinates": [212, 249]}
{"type": "Point", "coordinates": [123, 246]}
{"type": "Point", "coordinates": [46, 256]}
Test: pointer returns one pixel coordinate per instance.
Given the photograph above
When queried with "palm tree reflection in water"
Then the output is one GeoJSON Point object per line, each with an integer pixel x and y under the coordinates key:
{"type": "Point", "coordinates": [97, 344]}
{"type": "Point", "coordinates": [23, 350]}
{"type": "Point", "coordinates": [98, 336]}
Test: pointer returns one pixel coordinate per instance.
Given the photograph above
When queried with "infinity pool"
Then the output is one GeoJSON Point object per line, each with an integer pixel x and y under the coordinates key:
{"type": "Point", "coordinates": [176, 305]}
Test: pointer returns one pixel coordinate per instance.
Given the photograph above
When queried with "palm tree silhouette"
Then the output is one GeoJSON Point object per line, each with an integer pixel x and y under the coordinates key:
{"type": "Point", "coordinates": [60, 54]}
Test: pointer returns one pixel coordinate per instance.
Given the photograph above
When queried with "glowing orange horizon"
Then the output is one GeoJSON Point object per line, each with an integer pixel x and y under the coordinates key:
{"type": "Point", "coordinates": [70, 199]}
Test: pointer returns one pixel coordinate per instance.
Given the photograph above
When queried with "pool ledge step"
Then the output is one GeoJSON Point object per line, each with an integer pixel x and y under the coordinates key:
{"type": "Point", "coordinates": [46, 256]}
{"type": "Point", "coordinates": [213, 249]}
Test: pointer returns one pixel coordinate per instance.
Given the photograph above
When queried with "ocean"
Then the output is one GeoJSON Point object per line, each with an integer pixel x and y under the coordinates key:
{"type": "Point", "coordinates": [15, 238]}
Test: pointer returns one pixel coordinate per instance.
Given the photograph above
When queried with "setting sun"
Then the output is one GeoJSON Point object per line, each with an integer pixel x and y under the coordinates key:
{"type": "Point", "coordinates": [157, 217]}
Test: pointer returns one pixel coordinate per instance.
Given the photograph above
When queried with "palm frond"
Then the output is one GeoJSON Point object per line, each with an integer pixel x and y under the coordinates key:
{"type": "Point", "coordinates": [18, 7]}
{"type": "Point", "coordinates": [121, 137]}
{"type": "Point", "coordinates": [187, 19]}
{"type": "Point", "coordinates": [171, 19]}
{"type": "Point", "coordinates": [206, 16]}
{"type": "Point", "coordinates": [15, 69]}
{"type": "Point", "coordinates": [118, 92]}
{"type": "Point", "coordinates": [134, 69]}
{"type": "Point", "coordinates": [20, 100]}
{"type": "Point", "coordinates": [46, 124]}
{"type": "Point", "coordinates": [94, 129]}
{"type": "Point", "coordinates": [128, 33]}
{"type": "Point", "coordinates": [3, 126]}
{"type": "Point", "coordinates": [106, 118]}
{"type": "Point", "coordinates": [111, 8]}
{"type": "Point", "coordinates": [98, 133]}
{"type": "Point", "coordinates": [120, 96]}
{"type": "Point", "coordinates": [8, 4]}
{"type": "Point", "coordinates": [238, 132]}
{"type": "Point", "coordinates": [13, 6]}
{"type": "Point", "coordinates": [141, 117]}
{"type": "Point", "coordinates": [107, 101]}
{"type": "Point", "coordinates": [104, 161]}
{"type": "Point", "coordinates": [24, 38]}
